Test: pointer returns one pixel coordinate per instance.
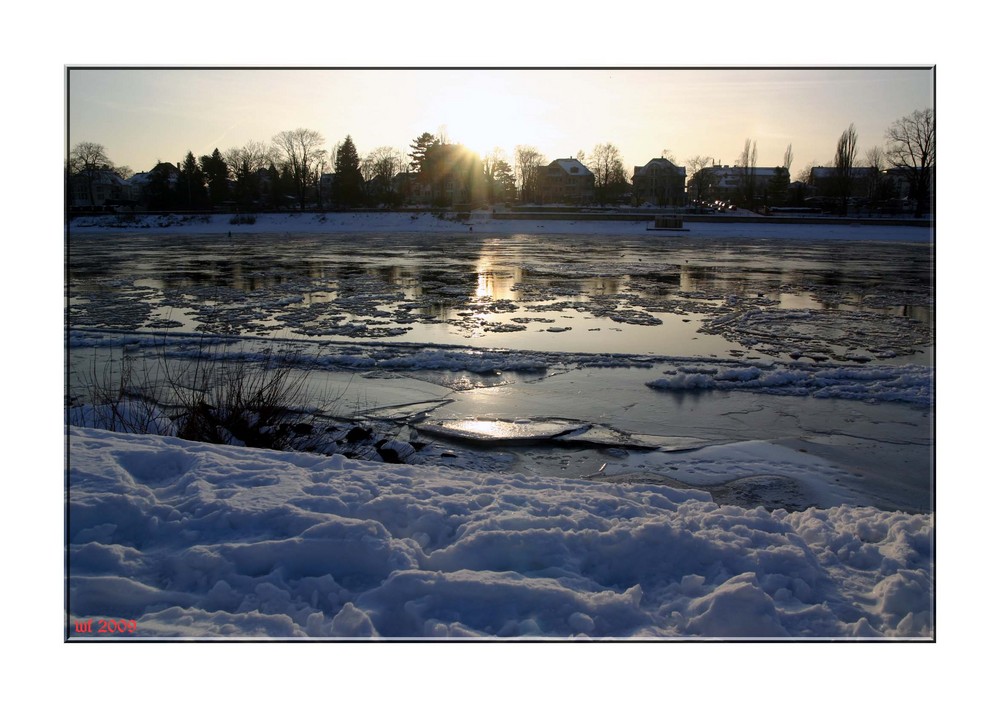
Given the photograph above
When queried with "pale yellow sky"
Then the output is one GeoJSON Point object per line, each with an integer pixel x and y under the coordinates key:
{"type": "Point", "coordinates": [145, 115]}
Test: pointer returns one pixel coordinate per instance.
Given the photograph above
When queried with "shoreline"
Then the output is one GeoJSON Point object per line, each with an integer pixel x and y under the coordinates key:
{"type": "Point", "coordinates": [482, 223]}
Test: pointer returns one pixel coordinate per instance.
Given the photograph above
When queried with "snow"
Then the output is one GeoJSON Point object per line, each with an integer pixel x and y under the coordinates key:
{"type": "Point", "coordinates": [195, 540]}
{"type": "Point", "coordinates": [481, 222]}
{"type": "Point", "coordinates": [906, 384]}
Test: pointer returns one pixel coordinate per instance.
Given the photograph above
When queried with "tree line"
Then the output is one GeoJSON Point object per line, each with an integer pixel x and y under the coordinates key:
{"type": "Point", "coordinates": [289, 171]}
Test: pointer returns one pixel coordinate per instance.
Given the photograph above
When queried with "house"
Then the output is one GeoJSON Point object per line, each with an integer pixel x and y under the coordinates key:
{"type": "Point", "coordinates": [411, 189]}
{"type": "Point", "coordinates": [659, 182]}
{"type": "Point", "coordinates": [732, 183]}
{"type": "Point", "coordinates": [564, 181]}
{"type": "Point", "coordinates": [98, 189]}
{"type": "Point", "coordinates": [826, 181]}
{"type": "Point", "coordinates": [901, 183]}
{"type": "Point", "coordinates": [156, 189]}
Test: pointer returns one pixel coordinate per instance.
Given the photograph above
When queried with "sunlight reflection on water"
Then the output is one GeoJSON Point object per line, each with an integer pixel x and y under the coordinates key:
{"type": "Point", "coordinates": [502, 429]}
{"type": "Point", "coordinates": [579, 294]}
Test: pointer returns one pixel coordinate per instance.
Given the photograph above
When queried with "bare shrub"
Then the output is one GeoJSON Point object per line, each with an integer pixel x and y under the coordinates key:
{"type": "Point", "coordinates": [123, 396]}
{"type": "Point", "coordinates": [257, 401]}
{"type": "Point", "coordinates": [245, 398]}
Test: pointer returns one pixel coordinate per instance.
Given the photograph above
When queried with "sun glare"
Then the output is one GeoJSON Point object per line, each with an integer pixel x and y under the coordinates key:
{"type": "Point", "coordinates": [486, 111]}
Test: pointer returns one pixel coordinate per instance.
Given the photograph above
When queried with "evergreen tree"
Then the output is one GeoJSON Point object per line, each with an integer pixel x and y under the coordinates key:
{"type": "Point", "coordinates": [418, 150]}
{"type": "Point", "coordinates": [191, 185]}
{"type": "Point", "coordinates": [349, 184]}
{"type": "Point", "coordinates": [498, 175]}
{"type": "Point", "coordinates": [503, 176]}
{"type": "Point", "coordinates": [276, 183]}
{"type": "Point", "coordinates": [777, 187]}
{"type": "Point", "coordinates": [286, 186]}
{"type": "Point", "coordinates": [216, 174]}
{"type": "Point", "coordinates": [160, 193]}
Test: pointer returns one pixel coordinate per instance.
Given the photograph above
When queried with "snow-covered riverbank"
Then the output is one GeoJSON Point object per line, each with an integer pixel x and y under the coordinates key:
{"type": "Point", "coordinates": [192, 540]}
{"type": "Point", "coordinates": [481, 222]}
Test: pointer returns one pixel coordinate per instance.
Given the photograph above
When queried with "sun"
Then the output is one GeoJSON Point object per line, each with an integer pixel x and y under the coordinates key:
{"type": "Point", "coordinates": [487, 110]}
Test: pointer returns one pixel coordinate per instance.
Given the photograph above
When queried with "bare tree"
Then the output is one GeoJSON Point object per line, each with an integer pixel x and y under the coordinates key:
{"type": "Point", "coordinates": [701, 179]}
{"type": "Point", "coordinates": [244, 164]}
{"type": "Point", "coordinates": [318, 164]}
{"type": "Point", "coordinates": [788, 158]}
{"type": "Point", "coordinates": [367, 167]}
{"type": "Point", "coordinates": [843, 165]}
{"type": "Point", "coordinates": [89, 155]}
{"type": "Point", "coordinates": [877, 184]}
{"type": "Point", "coordinates": [300, 150]}
{"type": "Point", "coordinates": [805, 174]}
{"type": "Point", "coordinates": [492, 162]}
{"type": "Point", "coordinates": [609, 171]}
{"type": "Point", "coordinates": [89, 159]}
{"type": "Point", "coordinates": [747, 162]}
{"type": "Point", "coordinates": [381, 166]}
{"type": "Point", "coordinates": [910, 146]}
{"type": "Point", "coordinates": [527, 160]}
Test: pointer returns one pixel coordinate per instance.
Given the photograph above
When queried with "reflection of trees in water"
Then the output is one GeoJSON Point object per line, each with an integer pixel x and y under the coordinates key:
{"type": "Point", "coordinates": [399, 276]}
{"type": "Point", "coordinates": [726, 279]}
{"type": "Point", "coordinates": [667, 279]}
{"type": "Point", "coordinates": [441, 274]}
{"type": "Point", "coordinates": [833, 279]}
{"type": "Point", "coordinates": [693, 278]}
{"type": "Point", "coordinates": [604, 285]}
{"type": "Point", "coordinates": [918, 313]}
{"type": "Point", "coordinates": [241, 274]}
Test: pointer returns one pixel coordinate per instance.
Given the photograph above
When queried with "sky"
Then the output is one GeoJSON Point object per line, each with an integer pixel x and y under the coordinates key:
{"type": "Point", "coordinates": [146, 115]}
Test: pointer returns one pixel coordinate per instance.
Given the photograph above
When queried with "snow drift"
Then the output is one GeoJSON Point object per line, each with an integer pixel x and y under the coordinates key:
{"type": "Point", "coordinates": [195, 540]}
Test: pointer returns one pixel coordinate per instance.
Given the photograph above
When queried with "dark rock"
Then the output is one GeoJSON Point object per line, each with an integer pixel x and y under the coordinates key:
{"type": "Point", "coordinates": [394, 451]}
{"type": "Point", "coordinates": [356, 434]}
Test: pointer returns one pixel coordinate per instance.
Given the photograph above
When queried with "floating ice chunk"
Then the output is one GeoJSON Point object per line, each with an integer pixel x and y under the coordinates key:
{"type": "Point", "coordinates": [908, 384]}
{"type": "Point", "coordinates": [684, 381]}
{"type": "Point", "coordinates": [739, 374]}
{"type": "Point", "coordinates": [500, 430]}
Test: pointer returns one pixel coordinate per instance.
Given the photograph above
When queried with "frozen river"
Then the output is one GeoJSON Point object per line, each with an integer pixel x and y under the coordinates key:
{"type": "Point", "coordinates": [576, 355]}
{"type": "Point", "coordinates": [582, 293]}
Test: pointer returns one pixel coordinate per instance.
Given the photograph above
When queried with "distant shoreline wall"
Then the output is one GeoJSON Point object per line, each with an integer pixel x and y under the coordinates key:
{"type": "Point", "coordinates": [710, 218]}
